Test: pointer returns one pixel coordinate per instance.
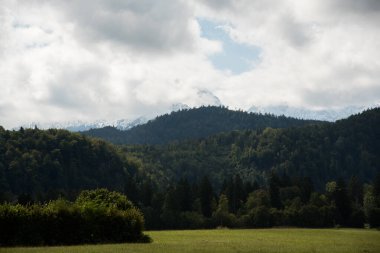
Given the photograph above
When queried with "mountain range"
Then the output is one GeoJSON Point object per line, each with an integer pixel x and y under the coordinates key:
{"type": "Point", "coordinates": [304, 113]}
{"type": "Point", "coordinates": [78, 126]}
{"type": "Point", "coordinates": [299, 165]}
{"type": "Point", "coordinates": [193, 124]}
{"type": "Point", "coordinates": [208, 99]}
{"type": "Point", "coordinates": [320, 151]}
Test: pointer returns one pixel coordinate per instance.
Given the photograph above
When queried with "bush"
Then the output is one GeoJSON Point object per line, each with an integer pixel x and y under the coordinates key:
{"type": "Point", "coordinates": [103, 197]}
{"type": "Point", "coordinates": [62, 222]}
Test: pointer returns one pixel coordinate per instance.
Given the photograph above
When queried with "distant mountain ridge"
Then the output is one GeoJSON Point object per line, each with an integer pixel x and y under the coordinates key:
{"type": "Point", "coordinates": [193, 124]}
{"type": "Point", "coordinates": [304, 113]}
{"type": "Point", "coordinates": [321, 152]}
{"type": "Point", "coordinates": [206, 98]}
{"type": "Point", "coordinates": [78, 126]}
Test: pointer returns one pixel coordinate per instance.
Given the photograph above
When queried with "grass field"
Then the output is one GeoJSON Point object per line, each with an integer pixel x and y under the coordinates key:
{"type": "Point", "coordinates": [224, 240]}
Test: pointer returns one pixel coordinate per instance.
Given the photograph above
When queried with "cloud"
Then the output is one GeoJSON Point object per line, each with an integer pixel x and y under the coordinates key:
{"type": "Point", "coordinates": [89, 60]}
{"type": "Point", "coordinates": [324, 48]}
{"type": "Point", "coordinates": [233, 57]}
{"type": "Point", "coordinates": [144, 26]}
{"type": "Point", "coordinates": [86, 60]}
{"type": "Point", "coordinates": [364, 6]}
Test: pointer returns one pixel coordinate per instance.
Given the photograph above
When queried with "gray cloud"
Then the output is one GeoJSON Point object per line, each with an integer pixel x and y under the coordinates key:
{"type": "Point", "coordinates": [296, 33]}
{"type": "Point", "coordinates": [110, 59]}
{"type": "Point", "coordinates": [78, 87]}
{"type": "Point", "coordinates": [364, 6]}
{"type": "Point", "coordinates": [366, 96]}
{"type": "Point", "coordinates": [152, 26]}
{"type": "Point", "coordinates": [219, 4]}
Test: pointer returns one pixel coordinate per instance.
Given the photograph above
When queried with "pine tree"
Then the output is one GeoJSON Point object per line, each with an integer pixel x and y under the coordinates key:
{"type": "Point", "coordinates": [206, 195]}
{"type": "Point", "coordinates": [274, 191]}
{"type": "Point", "coordinates": [342, 202]}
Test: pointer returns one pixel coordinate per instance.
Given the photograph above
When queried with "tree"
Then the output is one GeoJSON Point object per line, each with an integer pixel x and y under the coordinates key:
{"type": "Point", "coordinates": [258, 198]}
{"type": "Point", "coordinates": [306, 186]}
{"type": "Point", "coordinates": [221, 214]}
{"type": "Point", "coordinates": [342, 201]}
{"type": "Point", "coordinates": [146, 193]}
{"type": "Point", "coordinates": [206, 196]}
{"type": "Point", "coordinates": [376, 187]}
{"type": "Point", "coordinates": [355, 191]}
{"type": "Point", "coordinates": [371, 206]}
{"type": "Point", "coordinates": [184, 195]}
{"type": "Point", "coordinates": [274, 191]}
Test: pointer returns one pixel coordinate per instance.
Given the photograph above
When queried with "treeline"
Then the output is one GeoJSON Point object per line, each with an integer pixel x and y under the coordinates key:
{"type": "Point", "coordinates": [43, 165]}
{"type": "Point", "coordinates": [37, 166]}
{"type": "Point", "coordinates": [284, 201]}
{"type": "Point", "coordinates": [321, 152]}
{"type": "Point", "coordinates": [194, 124]}
{"type": "Point", "coordinates": [97, 216]}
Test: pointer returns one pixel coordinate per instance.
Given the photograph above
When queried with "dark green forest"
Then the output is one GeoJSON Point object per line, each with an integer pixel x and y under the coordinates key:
{"type": "Point", "coordinates": [309, 175]}
{"type": "Point", "coordinates": [322, 152]}
{"type": "Point", "coordinates": [323, 170]}
{"type": "Point", "coordinates": [193, 124]}
{"type": "Point", "coordinates": [43, 165]}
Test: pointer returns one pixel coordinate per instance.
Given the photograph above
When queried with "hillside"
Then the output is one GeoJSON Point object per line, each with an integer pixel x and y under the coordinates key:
{"type": "Point", "coordinates": [193, 124]}
{"type": "Point", "coordinates": [42, 165]}
{"type": "Point", "coordinates": [324, 152]}
{"type": "Point", "coordinates": [248, 178]}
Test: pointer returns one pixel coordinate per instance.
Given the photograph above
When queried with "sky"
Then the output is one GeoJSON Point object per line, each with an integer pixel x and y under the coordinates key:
{"type": "Point", "coordinates": [96, 59]}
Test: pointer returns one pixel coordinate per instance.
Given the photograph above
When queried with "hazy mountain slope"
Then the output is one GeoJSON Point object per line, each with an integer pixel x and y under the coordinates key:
{"type": "Point", "coordinates": [303, 113]}
{"type": "Point", "coordinates": [322, 152]}
{"type": "Point", "coordinates": [77, 126]}
{"type": "Point", "coordinates": [192, 124]}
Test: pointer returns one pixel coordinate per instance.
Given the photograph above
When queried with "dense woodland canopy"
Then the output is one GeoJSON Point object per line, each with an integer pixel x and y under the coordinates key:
{"type": "Point", "coordinates": [42, 165]}
{"type": "Point", "coordinates": [322, 152]}
{"type": "Point", "coordinates": [316, 175]}
{"type": "Point", "coordinates": [193, 124]}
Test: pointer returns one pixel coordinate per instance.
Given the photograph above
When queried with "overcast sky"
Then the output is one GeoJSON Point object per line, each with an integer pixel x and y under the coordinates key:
{"type": "Point", "coordinates": [94, 59]}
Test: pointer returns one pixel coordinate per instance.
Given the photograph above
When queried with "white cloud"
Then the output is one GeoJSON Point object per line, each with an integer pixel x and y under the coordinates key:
{"type": "Point", "coordinates": [314, 53]}
{"type": "Point", "coordinates": [85, 60]}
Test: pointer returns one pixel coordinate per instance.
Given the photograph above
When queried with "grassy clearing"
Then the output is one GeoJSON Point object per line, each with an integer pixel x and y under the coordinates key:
{"type": "Point", "coordinates": [220, 241]}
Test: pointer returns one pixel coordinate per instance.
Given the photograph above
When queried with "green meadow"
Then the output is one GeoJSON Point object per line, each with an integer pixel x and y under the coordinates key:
{"type": "Point", "coordinates": [226, 240]}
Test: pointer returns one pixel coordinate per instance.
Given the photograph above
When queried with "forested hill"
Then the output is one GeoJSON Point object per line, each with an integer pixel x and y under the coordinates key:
{"type": "Point", "coordinates": [262, 177]}
{"type": "Point", "coordinates": [43, 165]}
{"type": "Point", "coordinates": [193, 124]}
{"type": "Point", "coordinates": [324, 152]}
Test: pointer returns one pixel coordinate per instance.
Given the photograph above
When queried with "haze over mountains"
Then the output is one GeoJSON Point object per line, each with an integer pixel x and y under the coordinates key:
{"type": "Point", "coordinates": [194, 124]}
{"type": "Point", "coordinates": [77, 126]}
{"type": "Point", "coordinates": [304, 113]}
{"type": "Point", "coordinates": [330, 115]}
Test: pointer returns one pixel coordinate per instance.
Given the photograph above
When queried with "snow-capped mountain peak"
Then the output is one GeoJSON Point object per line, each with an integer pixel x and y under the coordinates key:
{"type": "Point", "coordinates": [303, 113]}
{"type": "Point", "coordinates": [78, 126]}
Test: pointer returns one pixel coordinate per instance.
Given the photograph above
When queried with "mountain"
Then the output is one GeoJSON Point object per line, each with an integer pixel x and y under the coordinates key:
{"type": "Point", "coordinates": [78, 126]}
{"type": "Point", "coordinates": [303, 113]}
{"type": "Point", "coordinates": [179, 107]}
{"type": "Point", "coordinates": [321, 152]}
{"type": "Point", "coordinates": [192, 124]}
{"type": "Point", "coordinates": [276, 174]}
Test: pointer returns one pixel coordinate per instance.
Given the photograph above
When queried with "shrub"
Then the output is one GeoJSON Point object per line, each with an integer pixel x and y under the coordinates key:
{"type": "Point", "coordinates": [60, 222]}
